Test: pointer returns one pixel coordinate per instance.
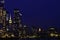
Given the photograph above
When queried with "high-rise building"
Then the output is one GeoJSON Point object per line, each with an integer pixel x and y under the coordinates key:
{"type": "Point", "coordinates": [17, 23]}
{"type": "Point", "coordinates": [2, 12]}
{"type": "Point", "coordinates": [10, 20]}
{"type": "Point", "coordinates": [17, 20]}
{"type": "Point", "coordinates": [1, 6]}
{"type": "Point", "coordinates": [17, 15]}
{"type": "Point", "coordinates": [4, 17]}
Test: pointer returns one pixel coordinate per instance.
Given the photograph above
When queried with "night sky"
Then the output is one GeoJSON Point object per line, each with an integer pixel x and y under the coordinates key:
{"type": "Point", "coordinates": [37, 12]}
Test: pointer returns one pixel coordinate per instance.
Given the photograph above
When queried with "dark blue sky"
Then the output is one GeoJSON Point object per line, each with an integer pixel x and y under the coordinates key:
{"type": "Point", "coordinates": [37, 12]}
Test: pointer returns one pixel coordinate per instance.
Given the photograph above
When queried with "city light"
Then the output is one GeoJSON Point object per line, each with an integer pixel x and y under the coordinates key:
{"type": "Point", "coordinates": [12, 35]}
{"type": "Point", "coordinates": [56, 35]}
{"type": "Point", "coordinates": [14, 27]}
{"type": "Point", "coordinates": [39, 29]}
{"type": "Point", "coordinates": [10, 20]}
{"type": "Point", "coordinates": [52, 34]}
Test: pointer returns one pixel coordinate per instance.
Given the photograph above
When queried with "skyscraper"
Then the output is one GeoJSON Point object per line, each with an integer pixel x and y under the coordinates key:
{"type": "Point", "coordinates": [17, 23]}
{"type": "Point", "coordinates": [1, 12]}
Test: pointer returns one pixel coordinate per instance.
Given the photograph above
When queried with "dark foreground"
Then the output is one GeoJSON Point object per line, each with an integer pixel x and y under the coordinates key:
{"type": "Point", "coordinates": [29, 39]}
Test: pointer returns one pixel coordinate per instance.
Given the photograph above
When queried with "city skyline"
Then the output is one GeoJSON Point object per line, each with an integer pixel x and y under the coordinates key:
{"type": "Point", "coordinates": [43, 13]}
{"type": "Point", "coordinates": [14, 27]}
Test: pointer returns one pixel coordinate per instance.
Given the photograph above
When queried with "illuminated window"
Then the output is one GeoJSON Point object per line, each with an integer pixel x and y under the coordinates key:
{"type": "Point", "coordinates": [39, 29]}
{"type": "Point", "coordinates": [52, 34]}
{"type": "Point", "coordinates": [10, 20]}
{"type": "Point", "coordinates": [4, 12]}
{"type": "Point", "coordinates": [25, 26]}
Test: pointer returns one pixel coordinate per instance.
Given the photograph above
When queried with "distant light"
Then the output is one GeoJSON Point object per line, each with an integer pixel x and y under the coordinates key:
{"type": "Point", "coordinates": [25, 26]}
{"type": "Point", "coordinates": [56, 35]}
{"type": "Point", "coordinates": [39, 29]}
{"type": "Point", "coordinates": [10, 20]}
{"type": "Point", "coordinates": [12, 35]}
{"type": "Point", "coordinates": [7, 29]}
{"type": "Point", "coordinates": [52, 28]}
{"type": "Point", "coordinates": [20, 14]}
{"type": "Point", "coordinates": [15, 11]}
{"type": "Point", "coordinates": [6, 35]}
{"type": "Point", "coordinates": [1, 31]}
{"type": "Point", "coordinates": [3, 27]}
{"type": "Point", "coordinates": [4, 12]}
{"type": "Point", "coordinates": [7, 18]}
{"type": "Point", "coordinates": [52, 34]}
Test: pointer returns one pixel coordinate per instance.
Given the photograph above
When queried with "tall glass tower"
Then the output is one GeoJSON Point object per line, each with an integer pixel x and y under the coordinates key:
{"type": "Point", "coordinates": [2, 13]}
